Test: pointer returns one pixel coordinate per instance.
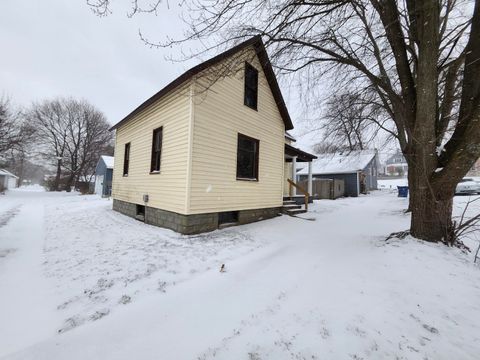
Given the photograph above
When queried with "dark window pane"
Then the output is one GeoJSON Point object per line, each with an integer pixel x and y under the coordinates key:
{"type": "Point", "coordinates": [251, 86]}
{"type": "Point", "coordinates": [156, 149]}
{"type": "Point", "coordinates": [126, 159]}
{"type": "Point", "coordinates": [247, 157]}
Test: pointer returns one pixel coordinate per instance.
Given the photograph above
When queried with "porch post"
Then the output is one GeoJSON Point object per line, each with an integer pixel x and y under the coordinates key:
{"type": "Point", "coordinates": [310, 178]}
{"type": "Point", "coordinates": [294, 174]}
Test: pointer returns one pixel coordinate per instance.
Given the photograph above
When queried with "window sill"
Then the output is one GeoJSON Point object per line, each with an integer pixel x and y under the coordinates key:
{"type": "Point", "coordinates": [250, 107]}
{"type": "Point", "coordinates": [247, 179]}
{"type": "Point", "coordinates": [154, 172]}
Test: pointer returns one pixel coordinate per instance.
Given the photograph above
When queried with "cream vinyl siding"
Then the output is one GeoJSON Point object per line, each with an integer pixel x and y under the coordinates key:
{"type": "Point", "coordinates": [219, 115]}
{"type": "Point", "coordinates": [167, 190]}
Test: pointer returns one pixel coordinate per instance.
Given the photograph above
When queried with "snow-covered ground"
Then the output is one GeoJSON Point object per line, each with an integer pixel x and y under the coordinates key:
{"type": "Point", "coordinates": [391, 184]}
{"type": "Point", "coordinates": [79, 281]}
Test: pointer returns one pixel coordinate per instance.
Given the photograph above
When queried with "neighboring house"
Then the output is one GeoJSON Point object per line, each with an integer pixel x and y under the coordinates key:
{"type": "Point", "coordinates": [201, 154]}
{"type": "Point", "coordinates": [396, 165]}
{"type": "Point", "coordinates": [104, 175]}
{"type": "Point", "coordinates": [7, 180]}
{"type": "Point", "coordinates": [358, 169]}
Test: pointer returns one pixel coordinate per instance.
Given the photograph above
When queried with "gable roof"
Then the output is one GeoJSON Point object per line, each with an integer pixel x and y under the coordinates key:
{"type": "Point", "coordinates": [259, 47]}
{"type": "Point", "coordinates": [341, 163]}
{"type": "Point", "coordinates": [7, 173]}
{"type": "Point", "coordinates": [108, 160]}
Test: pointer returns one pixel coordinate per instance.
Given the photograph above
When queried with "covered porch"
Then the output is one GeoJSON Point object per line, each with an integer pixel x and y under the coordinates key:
{"type": "Point", "coordinates": [291, 190]}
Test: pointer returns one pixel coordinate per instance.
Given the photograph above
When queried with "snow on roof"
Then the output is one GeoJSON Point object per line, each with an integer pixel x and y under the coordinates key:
{"type": "Point", "coordinates": [7, 173]}
{"type": "Point", "coordinates": [289, 136]}
{"type": "Point", "coordinates": [340, 163]}
{"type": "Point", "coordinates": [108, 160]}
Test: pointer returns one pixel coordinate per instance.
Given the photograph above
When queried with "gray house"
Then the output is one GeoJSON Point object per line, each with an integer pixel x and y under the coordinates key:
{"type": "Point", "coordinates": [358, 169]}
{"type": "Point", "coordinates": [103, 176]}
{"type": "Point", "coordinates": [7, 180]}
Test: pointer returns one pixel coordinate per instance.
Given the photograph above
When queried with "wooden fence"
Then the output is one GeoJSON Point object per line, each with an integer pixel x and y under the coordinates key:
{"type": "Point", "coordinates": [325, 188]}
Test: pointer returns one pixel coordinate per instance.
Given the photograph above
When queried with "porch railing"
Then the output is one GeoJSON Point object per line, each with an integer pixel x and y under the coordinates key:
{"type": "Point", "coordinates": [299, 188]}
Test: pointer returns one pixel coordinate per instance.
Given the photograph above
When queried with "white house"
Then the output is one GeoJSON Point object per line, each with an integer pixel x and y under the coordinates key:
{"type": "Point", "coordinates": [7, 180]}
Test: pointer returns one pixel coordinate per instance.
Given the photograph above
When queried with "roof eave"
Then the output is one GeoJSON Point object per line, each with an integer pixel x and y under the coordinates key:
{"type": "Point", "coordinates": [261, 52]}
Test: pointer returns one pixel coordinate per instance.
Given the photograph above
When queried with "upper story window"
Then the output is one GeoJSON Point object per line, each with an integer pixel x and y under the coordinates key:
{"type": "Point", "coordinates": [247, 158]}
{"type": "Point", "coordinates": [251, 86]}
{"type": "Point", "coordinates": [156, 150]}
{"type": "Point", "coordinates": [126, 159]}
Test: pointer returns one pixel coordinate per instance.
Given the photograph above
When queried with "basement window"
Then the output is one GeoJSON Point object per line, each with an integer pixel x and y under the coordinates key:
{"type": "Point", "coordinates": [227, 218]}
{"type": "Point", "coordinates": [140, 215]}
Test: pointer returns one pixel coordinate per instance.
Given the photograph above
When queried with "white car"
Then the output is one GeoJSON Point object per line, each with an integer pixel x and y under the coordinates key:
{"type": "Point", "coordinates": [468, 186]}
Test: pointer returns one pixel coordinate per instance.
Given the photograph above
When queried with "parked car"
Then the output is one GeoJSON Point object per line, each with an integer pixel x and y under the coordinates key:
{"type": "Point", "coordinates": [468, 186]}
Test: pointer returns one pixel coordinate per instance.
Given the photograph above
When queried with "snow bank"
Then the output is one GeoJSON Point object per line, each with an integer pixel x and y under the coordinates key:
{"type": "Point", "coordinates": [325, 286]}
{"type": "Point", "coordinates": [385, 184]}
{"type": "Point", "coordinates": [32, 188]}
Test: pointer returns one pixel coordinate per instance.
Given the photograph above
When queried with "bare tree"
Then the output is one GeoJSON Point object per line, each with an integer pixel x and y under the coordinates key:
{"type": "Point", "coordinates": [14, 132]}
{"type": "Point", "coordinates": [88, 136]}
{"type": "Point", "coordinates": [52, 125]}
{"type": "Point", "coordinates": [351, 122]}
{"type": "Point", "coordinates": [327, 147]}
{"type": "Point", "coordinates": [71, 135]}
{"type": "Point", "coordinates": [418, 59]}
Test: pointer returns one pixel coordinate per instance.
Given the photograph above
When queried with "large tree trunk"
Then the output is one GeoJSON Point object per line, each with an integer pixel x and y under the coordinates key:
{"type": "Point", "coordinates": [431, 207]}
{"type": "Point", "coordinates": [70, 182]}
{"type": "Point", "coordinates": [56, 185]}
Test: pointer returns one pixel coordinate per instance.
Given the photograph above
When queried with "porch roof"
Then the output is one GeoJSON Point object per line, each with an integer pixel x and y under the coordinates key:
{"type": "Point", "coordinates": [301, 155]}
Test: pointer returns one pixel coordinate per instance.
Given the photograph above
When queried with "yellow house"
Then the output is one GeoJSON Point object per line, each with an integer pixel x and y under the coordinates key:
{"type": "Point", "coordinates": [210, 148]}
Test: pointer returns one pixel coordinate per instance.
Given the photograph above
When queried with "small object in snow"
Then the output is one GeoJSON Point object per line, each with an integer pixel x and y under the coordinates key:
{"type": "Point", "coordinates": [222, 268]}
{"type": "Point", "coordinates": [430, 328]}
{"type": "Point", "coordinates": [125, 299]}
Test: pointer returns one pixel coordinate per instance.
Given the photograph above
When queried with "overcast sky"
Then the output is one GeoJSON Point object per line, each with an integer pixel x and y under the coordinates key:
{"type": "Point", "coordinates": [55, 48]}
{"type": "Point", "coordinates": [61, 48]}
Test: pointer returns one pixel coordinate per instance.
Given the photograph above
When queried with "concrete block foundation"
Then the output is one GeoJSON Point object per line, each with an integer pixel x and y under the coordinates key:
{"type": "Point", "coordinates": [194, 223]}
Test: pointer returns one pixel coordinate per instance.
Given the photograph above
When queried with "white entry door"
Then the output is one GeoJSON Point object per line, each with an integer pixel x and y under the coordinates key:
{"type": "Point", "coordinates": [99, 185]}
{"type": "Point", "coordinates": [12, 183]}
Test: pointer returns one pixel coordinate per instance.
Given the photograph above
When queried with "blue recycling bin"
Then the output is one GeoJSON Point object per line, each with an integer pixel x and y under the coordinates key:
{"type": "Point", "coordinates": [402, 191]}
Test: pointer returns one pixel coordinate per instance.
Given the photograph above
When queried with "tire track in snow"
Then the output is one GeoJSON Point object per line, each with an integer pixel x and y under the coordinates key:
{"type": "Point", "coordinates": [9, 215]}
{"type": "Point", "coordinates": [26, 306]}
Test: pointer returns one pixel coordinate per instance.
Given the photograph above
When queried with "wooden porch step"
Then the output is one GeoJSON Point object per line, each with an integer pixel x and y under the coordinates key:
{"type": "Point", "coordinates": [291, 206]}
{"type": "Point", "coordinates": [295, 211]}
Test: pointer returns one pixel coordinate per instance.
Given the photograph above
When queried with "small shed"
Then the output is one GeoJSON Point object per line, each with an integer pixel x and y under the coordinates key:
{"type": "Point", "coordinates": [7, 180]}
{"type": "Point", "coordinates": [358, 170]}
{"type": "Point", "coordinates": [103, 176]}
